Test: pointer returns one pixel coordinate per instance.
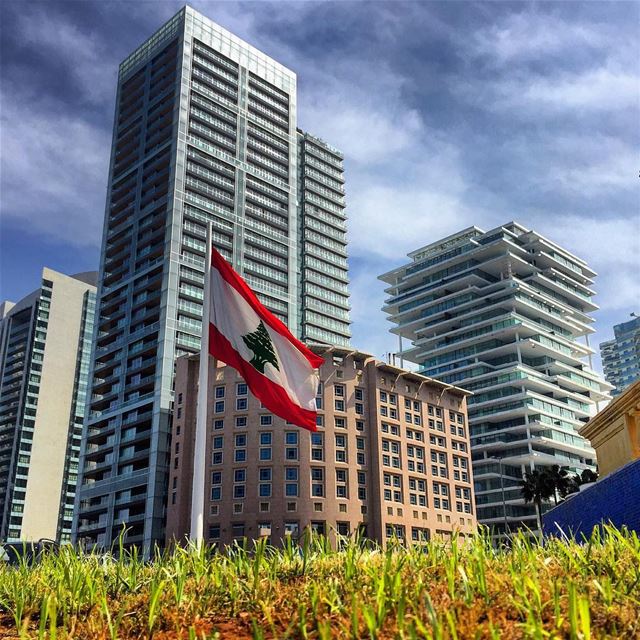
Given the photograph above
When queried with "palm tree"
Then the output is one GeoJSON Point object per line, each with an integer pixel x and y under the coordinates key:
{"type": "Point", "coordinates": [578, 480]}
{"type": "Point", "coordinates": [560, 481]}
{"type": "Point", "coordinates": [537, 487]}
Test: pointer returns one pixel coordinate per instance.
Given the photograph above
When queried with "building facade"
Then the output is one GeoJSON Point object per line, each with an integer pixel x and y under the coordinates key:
{"type": "Point", "coordinates": [500, 313]}
{"type": "Point", "coordinates": [45, 347]}
{"type": "Point", "coordinates": [621, 356]}
{"type": "Point", "coordinates": [204, 131]}
{"type": "Point", "coordinates": [390, 457]}
{"type": "Point", "coordinates": [615, 431]}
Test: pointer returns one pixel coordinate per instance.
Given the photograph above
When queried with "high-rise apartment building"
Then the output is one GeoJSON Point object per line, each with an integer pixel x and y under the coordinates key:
{"type": "Point", "coordinates": [499, 313]}
{"type": "Point", "coordinates": [390, 457]}
{"type": "Point", "coordinates": [45, 347]}
{"type": "Point", "coordinates": [621, 356]}
{"type": "Point", "coordinates": [205, 130]}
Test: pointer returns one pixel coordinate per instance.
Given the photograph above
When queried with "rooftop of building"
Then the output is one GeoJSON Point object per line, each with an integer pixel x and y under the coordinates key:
{"type": "Point", "coordinates": [169, 29]}
{"type": "Point", "coordinates": [627, 401]}
{"type": "Point", "coordinates": [470, 234]}
{"type": "Point", "coordinates": [9, 308]}
{"type": "Point", "coordinates": [399, 372]}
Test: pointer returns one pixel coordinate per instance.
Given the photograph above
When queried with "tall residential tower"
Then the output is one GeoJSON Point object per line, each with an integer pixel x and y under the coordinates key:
{"type": "Point", "coordinates": [45, 345]}
{"type": "Point", "coordinates": [205, 130]}
{"type": "Point", "coordinates": [499, 313]}
{"type": "Point", "coordinates": [621, 356]}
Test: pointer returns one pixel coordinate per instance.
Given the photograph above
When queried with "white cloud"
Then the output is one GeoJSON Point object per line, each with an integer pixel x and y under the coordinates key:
{"type": "Point", "coordinates": [82, 52]}
{"type": "Point", "coordinates": [54, 173]}
{"type": "Point", "coordinates": [530, 35]}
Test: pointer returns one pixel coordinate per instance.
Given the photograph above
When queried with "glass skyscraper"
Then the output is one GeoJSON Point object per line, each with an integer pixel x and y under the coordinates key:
{"type": "Point", "coordinates": [45, 347]}
{"type": "Point", "coordinates": [500, 313]}
{"type": "Point", "coordinates": [621, 356]}
{"type": "Point", "coordinates": [205, 130]}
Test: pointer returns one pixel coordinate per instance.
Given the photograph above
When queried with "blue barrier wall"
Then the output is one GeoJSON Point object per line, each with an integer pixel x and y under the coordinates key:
{"type": "Point", "coordinates": [615, 499]}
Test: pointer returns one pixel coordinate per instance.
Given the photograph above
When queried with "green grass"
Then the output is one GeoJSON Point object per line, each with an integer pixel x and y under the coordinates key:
{"type": "Point", "coordinates": [466, 590]}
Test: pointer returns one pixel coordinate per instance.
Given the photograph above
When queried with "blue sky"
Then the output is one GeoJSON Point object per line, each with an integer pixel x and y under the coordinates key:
{"type": "Point", "coordinates": [449, 113]}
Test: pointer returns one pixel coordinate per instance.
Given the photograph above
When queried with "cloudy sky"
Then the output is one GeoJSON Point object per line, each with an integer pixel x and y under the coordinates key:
{"type": "Point", "coordinates": [449, 114]}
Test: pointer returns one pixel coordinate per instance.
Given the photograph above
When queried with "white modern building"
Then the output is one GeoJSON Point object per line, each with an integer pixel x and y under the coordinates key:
{"type": "Point", "coordinates": [45, 347]}
{"type": "Point", "coordinates": [505, 314]}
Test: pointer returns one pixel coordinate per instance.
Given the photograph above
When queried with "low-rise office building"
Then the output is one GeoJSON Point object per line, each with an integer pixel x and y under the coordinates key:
{"type": "Point", "coordinates": [390, 457]}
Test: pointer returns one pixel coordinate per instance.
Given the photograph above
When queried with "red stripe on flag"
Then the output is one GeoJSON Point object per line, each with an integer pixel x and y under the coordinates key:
{"type": "Point", "coordinates": [227, 272]}
{"type": "Point", "coordinates": [272, 395]}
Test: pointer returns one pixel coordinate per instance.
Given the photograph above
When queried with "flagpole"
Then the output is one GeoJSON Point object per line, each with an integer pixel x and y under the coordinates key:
{"type": "Point", "coordinates": [200, 445]}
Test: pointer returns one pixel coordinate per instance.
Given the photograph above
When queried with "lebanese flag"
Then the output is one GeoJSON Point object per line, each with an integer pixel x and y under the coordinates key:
{"type": "Point", "coordinates": [278, 369]}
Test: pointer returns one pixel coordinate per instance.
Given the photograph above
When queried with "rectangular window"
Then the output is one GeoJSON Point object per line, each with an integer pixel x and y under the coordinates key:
{"type": "Point", "coordinates": [241, 440]}
{"type": "Point", "coordinates": [219, 406]}
{"type": "Point", "coordinates": [338, 389]}
{"type": "Point", "coordinates": [265, 475]}
{"type": "Point", "coordinates": [240, 455]}
{"type": "Point", "coordinates": [217, 442]}
{"type": "Point", "coordinates": [265, 438]}
{"type": "Point", "coordinates": [218, 424]}
{"type": "Point", "coordinates": [265, 453]}
{"type": "Point", "coordinates": [241, 389]}
{"type": "Point", "coordinates": [241, 404]}
{"type": "Point", "coordinates": [241, 421]}
{"type": "Point", "coordinates": [219, 392]}
{"type": "Point", "coordinates": [291, 437]}
{"type": "Point", "coordinates": [359, 394]}
{"type": "Point", "coordinates": [239, 475]}
{"type": "Point", "coordinates": [264, 489]}
{"type": "Point", "coordinates": [339, 405]}
{"type": "Point", "coordinates": [265, 421]}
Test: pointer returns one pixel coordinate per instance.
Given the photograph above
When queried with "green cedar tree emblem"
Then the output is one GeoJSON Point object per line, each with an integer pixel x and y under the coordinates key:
{"type": "Point", "coordinates": [260, 343]}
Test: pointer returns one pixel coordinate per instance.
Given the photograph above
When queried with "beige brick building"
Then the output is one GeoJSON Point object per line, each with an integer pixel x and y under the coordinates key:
{"type": "Point", "coordinates": [390, 457]}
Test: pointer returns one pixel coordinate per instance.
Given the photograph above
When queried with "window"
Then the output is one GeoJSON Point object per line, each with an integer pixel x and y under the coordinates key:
{"type": "Point", "coordinates": [341, 441]}
{"type": "Point", "coordinates": [217, 442]}
{"type": "Point", "coordinates": [265, 474]}
{"type": "Point", "coordinates": [265, 421]}
{"type": "Point", "coordinates": [362, 493]}
{"type": "Point", "coordinates": [362, 477]}
{"type": "Point", "coordinates": [265, 438]}
{"type": "Point", "coordinates": [240, 455]}
{"type": "Point", "coordinates": [239, 475]}
{"type": "Point", "coordinates": [265, 453]}
{"type": "Point", "coordinates": [241, 421]}
{"type": "Point", "coordinates": [216, 458]}
{"type": "Point", "coordinates": [218, 424]}
{"type": "Point", "coordinates": [241, 440]}
{"type": "Point", "coordinates": [214, 531]}
{"type": "Point", "coordinates": [241, 389]}
{"type": "Point", "coordinates": [359, 425]}
{"type": "Point", "coordinates": [359, 408]}
{"type": "Point", "coordinates": [341, 475]}
{"type": "Point", "coordinates": [291, 490]}
{"type": "Point", "coordinates": [264, 489]}
{"type": "Point", "coordinates": [237, 530]}
{"type": "Point", "coordinates": [238, 491]}
{"type": "Point", "coordinates": [241, 404]}
{"type": "Point", "coordinates": [340, 423]}
{"type": "Point", "coordinates": [341, 491]}
{"type": "Point", "coordinates": [360, 458]}
{"type": "Point", "coordinates": [291, 437]}
{"type": "Point", "coordinates": [219, 406]}
{"type": "Point", "coordinates": [291, 453]}
{"type": "Point", "coordinates": [359, 394]}
{"type": "Point", "coordinates": [383, 396]}
{"type": "Point", "coordinates": [341, 455]}
{"type": "Point", "coordinates": [216, 493]}
{"type": "Point", "coordinates": [219, 392]}
{"type": "Point", "coordinates": [339, 405]}
{"type": "Point", "coordinates": [338, 390]}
